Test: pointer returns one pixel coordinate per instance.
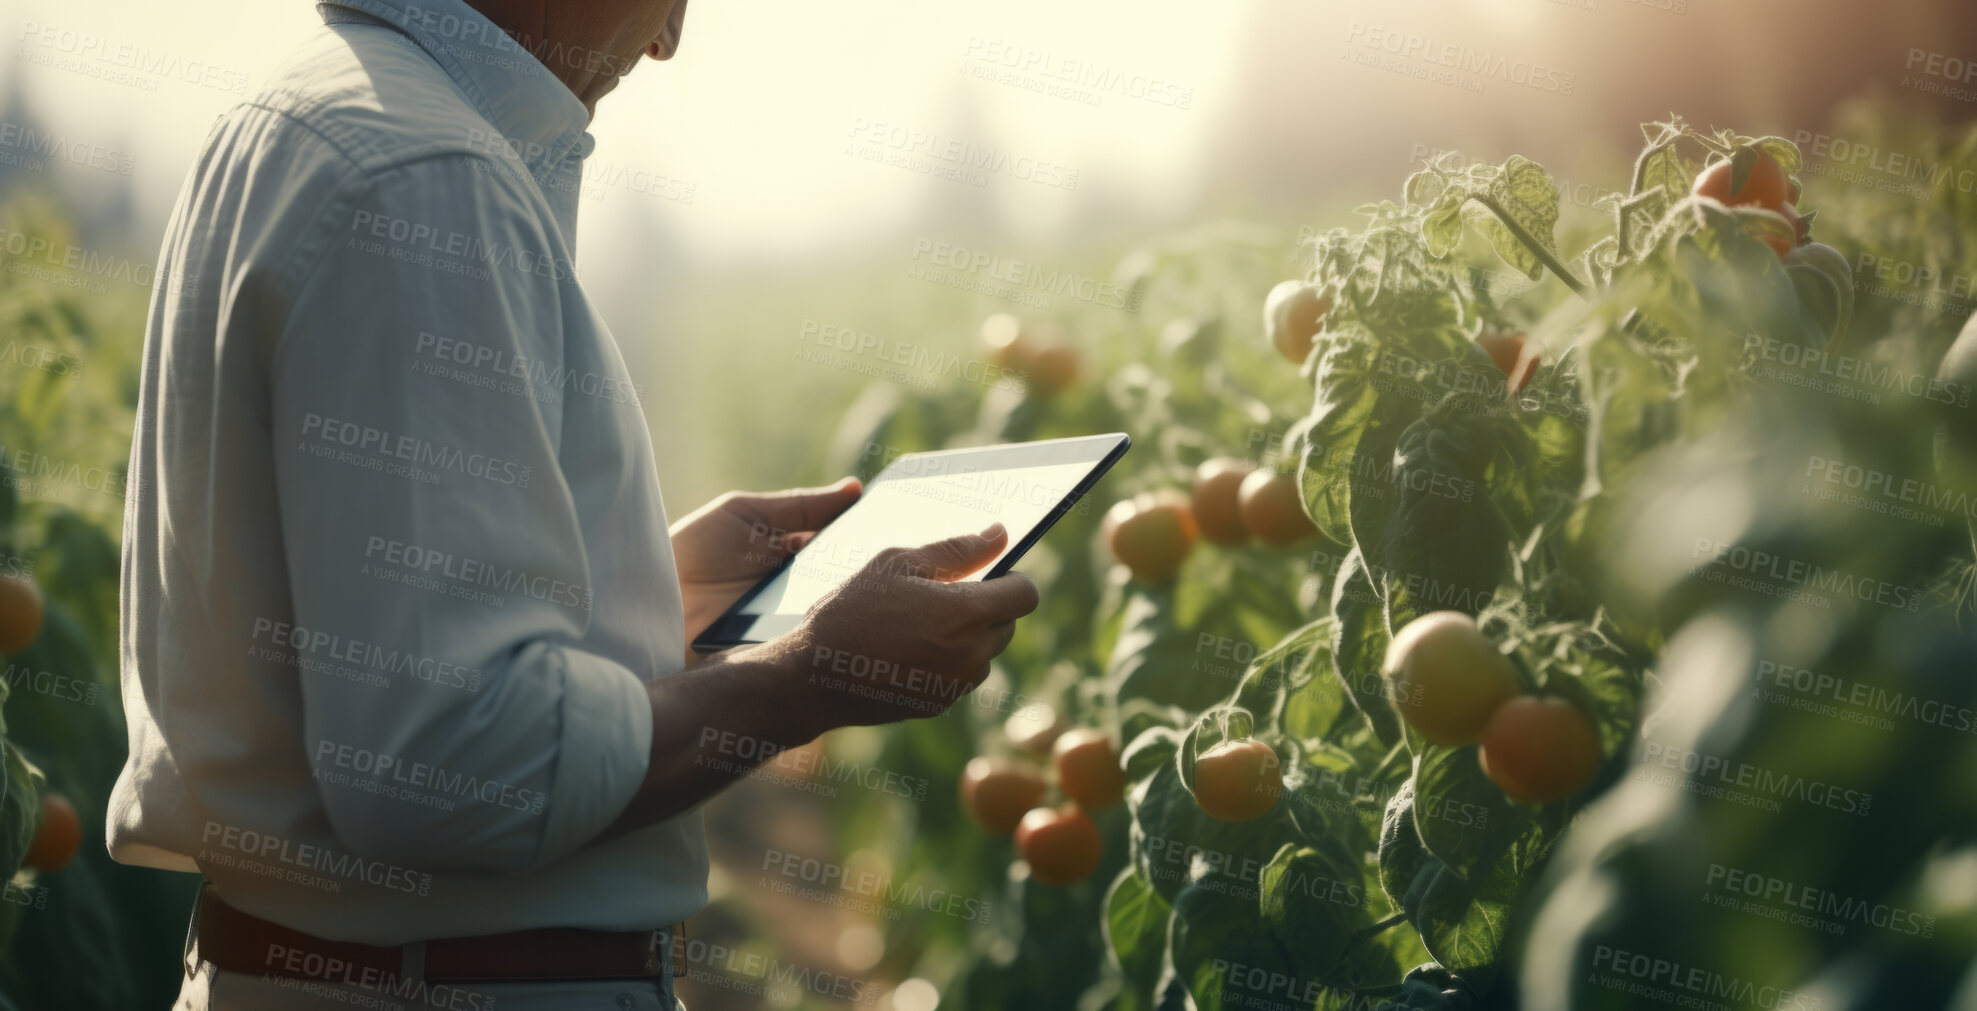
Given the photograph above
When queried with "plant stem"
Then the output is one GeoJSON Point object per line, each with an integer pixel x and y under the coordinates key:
{"type": "Point", "coordinates": [1538, 249]}
{"type": "Point", "coordinates": [1399, 748]}
{"type": "Point", "coordinates": [1388, 923]}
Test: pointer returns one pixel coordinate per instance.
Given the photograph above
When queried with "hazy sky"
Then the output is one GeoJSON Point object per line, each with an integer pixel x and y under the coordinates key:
{"type": "Point", "coordinates": [750, 141]}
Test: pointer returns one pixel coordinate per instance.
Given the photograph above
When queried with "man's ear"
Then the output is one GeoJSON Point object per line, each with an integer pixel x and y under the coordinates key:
{"type": "Point", "coordinates": [668, 42]}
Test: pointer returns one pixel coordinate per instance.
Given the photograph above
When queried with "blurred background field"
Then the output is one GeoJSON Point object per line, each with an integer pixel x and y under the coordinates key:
{"type": "Point", "coordinates": [734, 222]}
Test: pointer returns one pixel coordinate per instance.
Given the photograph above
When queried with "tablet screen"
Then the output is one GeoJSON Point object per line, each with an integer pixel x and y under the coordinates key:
{"type": "Point", "coordinates": [925, 497]}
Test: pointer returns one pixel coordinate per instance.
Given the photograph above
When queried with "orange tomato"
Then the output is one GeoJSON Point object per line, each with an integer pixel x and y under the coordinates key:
{"type": "Point", "coordinates": [1293, 316]}
{"type": "Point", "coordinates": [1766, 186]}
{"type": "Point", "coordinates": [1216, 485]}
{"type": "Point", "coordinates": [996, 791]}
{"type": "Point", "coordinates": [1445, 677]}
{"type": "Point", "coordinates": [1152, 534]}
{"type": "Point", "coordinates": [1088, 768]}
{"type": "Point", "coordinates": [1539, 749]}
{"type": "Point", "coordinates": [58, 836]}
{"type": "Point", "coordinates": [1061, 845]}
{"type": "Point", "coordinates": [1273, 507]}
{"type": "Point", "coordinates": [20, 613]}
{"type": "Point", "coordinates": [1238, 780]}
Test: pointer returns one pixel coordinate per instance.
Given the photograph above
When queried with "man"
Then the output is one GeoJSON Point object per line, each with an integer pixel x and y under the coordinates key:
{"type": "Point", "coordinates": [404, 633]}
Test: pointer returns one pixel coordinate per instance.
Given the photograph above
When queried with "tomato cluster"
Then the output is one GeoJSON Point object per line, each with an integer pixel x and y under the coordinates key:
{"type": "Point", "coordinates": [1034, 351]}
{"type": "Point", "coordinates": [1058, 841]}
{"type": "Point", "coordinates": [1152, 533]}
{"type": "Point", "coordinates": [1455, 688]}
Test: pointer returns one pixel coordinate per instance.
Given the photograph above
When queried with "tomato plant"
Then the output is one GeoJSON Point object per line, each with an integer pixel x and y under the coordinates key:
{"type": "Point", "coordinates": [1435, 644]}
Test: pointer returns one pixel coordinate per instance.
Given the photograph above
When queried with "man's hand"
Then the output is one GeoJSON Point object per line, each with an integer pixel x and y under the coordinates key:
{"type": "Point", "coordinates": [904, 638]}
{"type": "Point", "coordinates": [729, 544]}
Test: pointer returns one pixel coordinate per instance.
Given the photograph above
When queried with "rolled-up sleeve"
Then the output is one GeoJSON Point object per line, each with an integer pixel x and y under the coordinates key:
{"type": "Point", "coordinates": [433, 538]}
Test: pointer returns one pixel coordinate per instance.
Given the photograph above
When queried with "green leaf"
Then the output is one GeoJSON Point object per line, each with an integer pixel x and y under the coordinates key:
{"type": "Point", "coordinates": [1662, 167]}
{"type": "Point", "coordinates": [20, 806]}
{"type": "Point", "coordinates": [1524, 193]}
{"type": "Point", "coordinates": [1175, 843]}
{"type": "Point", "coordinates": [1401, 855]}
{"type": "Point", "coordinates": [1447, 545]}
{"type": "Point", "coordinates": [1361, 647]}
{"type": "Point", "coordinates": [1783, 151]}
{"type": "Point", "coordinates": [1441, 229]}
{"type": "Point", "coordinates": [1223, 954]}
{"type": "Point", "coordinates": [1136, 922]}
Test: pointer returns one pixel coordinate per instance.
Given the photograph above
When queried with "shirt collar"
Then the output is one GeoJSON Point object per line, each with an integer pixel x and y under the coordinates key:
{"type": "Point", "coordinates": [534, 110]}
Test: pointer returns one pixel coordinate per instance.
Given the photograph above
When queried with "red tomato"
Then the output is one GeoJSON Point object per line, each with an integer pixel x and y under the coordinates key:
{"type": "Point", "coordinates": [1088, 768]}
{"type": "Point", "coordinates": [1766, 186]}
{"type": "Point", "coordinates": [1539, 749]}
{"type": "Point", "coordinates": [996, 792]}
{"type": "Point", "coordinates": [1060, 844]}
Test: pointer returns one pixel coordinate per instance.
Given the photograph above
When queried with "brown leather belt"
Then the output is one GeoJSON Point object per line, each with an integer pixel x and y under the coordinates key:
{"type": "Point", "coordinates": [239, 942]}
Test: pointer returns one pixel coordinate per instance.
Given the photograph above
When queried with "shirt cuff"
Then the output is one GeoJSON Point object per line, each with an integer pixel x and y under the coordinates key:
{"type": "Point", "coordinates": [606, 747]}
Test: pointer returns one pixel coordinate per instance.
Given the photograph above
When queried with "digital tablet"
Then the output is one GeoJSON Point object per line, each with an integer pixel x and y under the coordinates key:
{"type": "Point", "coordinates": [917, 499]}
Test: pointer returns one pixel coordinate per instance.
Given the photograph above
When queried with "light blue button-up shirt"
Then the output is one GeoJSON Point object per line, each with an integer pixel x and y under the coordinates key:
{"type": "Point", "coordinates": [395, 563]}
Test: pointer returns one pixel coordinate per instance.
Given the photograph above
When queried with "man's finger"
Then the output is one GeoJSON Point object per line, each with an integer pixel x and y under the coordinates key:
{"type": "Point", "coordinates": [799, 509]}
{"type": "Point", "coordinates": [956, 557]}
{"type": "Point", "coordinates": [1006, 597]}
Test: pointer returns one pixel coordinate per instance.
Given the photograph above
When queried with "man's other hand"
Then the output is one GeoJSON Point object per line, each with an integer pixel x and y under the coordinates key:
{"type": "Point", "coordinates": [723, 549]}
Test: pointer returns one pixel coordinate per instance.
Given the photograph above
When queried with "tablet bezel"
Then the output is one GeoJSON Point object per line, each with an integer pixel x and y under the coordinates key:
{"type": "Point", "coordinates": [731, 628]}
